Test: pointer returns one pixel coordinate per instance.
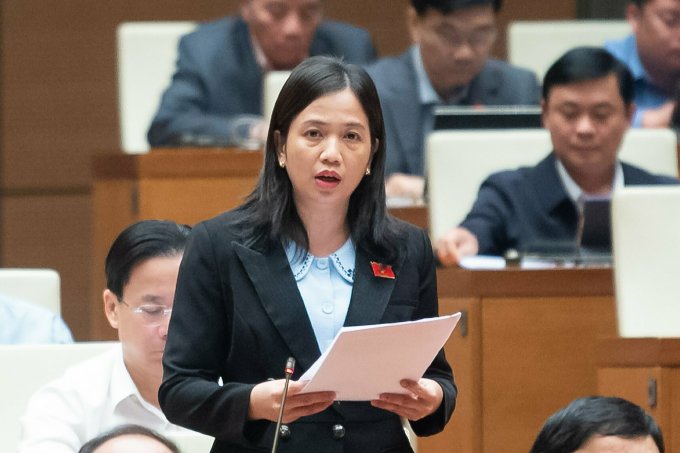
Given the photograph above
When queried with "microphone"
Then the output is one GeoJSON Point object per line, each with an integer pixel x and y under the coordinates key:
{"type": "Point", "coordinates": [290, 367]}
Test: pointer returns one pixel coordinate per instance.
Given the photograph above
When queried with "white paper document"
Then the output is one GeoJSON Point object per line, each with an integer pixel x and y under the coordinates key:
{"type": "Point", "coordinates": [365, 361]}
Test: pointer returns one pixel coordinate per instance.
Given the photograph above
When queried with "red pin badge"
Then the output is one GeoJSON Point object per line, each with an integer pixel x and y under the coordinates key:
{"type": "Point", "coordinates": [382, 270]}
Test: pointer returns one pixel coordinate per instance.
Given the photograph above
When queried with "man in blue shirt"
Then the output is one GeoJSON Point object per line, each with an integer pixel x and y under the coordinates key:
{"type": "Point", "coordinates": [652, 53]}
{"type": "Point", "coordinates": [24, 323]}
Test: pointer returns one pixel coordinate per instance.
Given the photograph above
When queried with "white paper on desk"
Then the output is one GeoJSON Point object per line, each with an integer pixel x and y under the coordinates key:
{"type": "Point", "coordinates": [365, 361]}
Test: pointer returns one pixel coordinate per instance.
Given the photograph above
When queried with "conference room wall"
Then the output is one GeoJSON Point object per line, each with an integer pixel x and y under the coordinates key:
{"type": "Point", "coordinates": [58, 108]}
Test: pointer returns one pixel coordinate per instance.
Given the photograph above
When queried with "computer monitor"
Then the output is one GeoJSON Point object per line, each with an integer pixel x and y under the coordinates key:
{"type": "Point", "coordinates": [489, 117]}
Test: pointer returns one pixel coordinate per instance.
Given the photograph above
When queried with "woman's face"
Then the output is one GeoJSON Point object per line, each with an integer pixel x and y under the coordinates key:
{"type": "Point", "coordinates": [327, 150]}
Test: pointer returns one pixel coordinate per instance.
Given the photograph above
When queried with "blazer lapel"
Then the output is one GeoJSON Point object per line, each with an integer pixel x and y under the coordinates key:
{"type": "Point", "coordinates": [370, 293]}
{"type": "Point", "coordinates": [278, 292]}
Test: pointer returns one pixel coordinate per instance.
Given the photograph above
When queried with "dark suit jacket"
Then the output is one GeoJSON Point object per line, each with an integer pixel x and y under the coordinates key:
{"type": "Point", "coordinates": [238, 315]}
{"type": "Point", "coordinates": [406, 119]}
{"type": "Point", "coordinates": [218, 78]}
{"type": "Point", "coordinates": [518, 208]}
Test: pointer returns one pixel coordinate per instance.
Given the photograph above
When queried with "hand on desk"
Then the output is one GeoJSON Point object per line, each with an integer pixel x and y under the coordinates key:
{"type": "Point", "coordinates": [425, 398]}
{"type": "Point", "coordinates": [454, 245]}
{"type": "Point", "coordinates": [401, 185]}
{"type": "Point", "coordinates": [265, 401]}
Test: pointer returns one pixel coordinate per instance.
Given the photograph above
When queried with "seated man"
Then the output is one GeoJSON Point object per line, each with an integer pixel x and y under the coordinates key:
{"type": "Point", "coordinates": [448, 64]}
{"type": "Point", "coordinates": [120, 386]}
{"type": "Point", "coordinates": [216, 92]}
{"type": "Point", "coordinates": [25, 323]}
{"type": "Point", "coordinates": [652, 53]}
{"type": "Point", "coordinates": [129, 438]}
{"type": "Point", "coordinates": [587, 105]}
{"type": "Point", "coordinates": [599, 424]}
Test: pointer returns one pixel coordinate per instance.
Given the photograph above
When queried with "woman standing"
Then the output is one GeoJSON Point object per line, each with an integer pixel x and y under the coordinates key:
{"type": "Point", "coordinates": [311, 250]}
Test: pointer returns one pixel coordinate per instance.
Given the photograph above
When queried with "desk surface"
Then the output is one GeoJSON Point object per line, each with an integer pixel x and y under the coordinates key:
{"type": "Point", "coordinates": [513, 282]}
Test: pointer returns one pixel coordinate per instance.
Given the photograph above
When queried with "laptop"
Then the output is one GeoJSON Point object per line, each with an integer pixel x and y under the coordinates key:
{"type": "Point", "coordinates": [491, 117]}
{"type": "Point", "coordinates": [595, 231]}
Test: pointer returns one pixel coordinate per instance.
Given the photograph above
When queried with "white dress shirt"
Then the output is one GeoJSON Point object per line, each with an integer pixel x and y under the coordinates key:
{"type": "Point", "coordinates": [90, 398]}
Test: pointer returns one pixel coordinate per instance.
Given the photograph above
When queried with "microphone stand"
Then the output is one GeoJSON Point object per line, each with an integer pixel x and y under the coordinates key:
{"type": "Point", "coordinates": [290, 367]}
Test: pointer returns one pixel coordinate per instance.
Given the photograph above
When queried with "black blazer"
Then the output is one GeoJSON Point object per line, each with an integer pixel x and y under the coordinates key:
{"type": "Point", "coordinates": [238, 316]}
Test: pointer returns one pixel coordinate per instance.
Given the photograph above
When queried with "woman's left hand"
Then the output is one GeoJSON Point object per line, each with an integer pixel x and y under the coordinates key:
{"type": "Point", "coordinates": [424, 398]}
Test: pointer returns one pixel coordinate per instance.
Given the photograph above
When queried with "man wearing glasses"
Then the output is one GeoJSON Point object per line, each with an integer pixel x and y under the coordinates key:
{"type": "Point", "coordinates": [448, 64]}
{"type": "Point", "coordinates": [652, 53]}
{"type": "Point", "coordinates": [120, 386]}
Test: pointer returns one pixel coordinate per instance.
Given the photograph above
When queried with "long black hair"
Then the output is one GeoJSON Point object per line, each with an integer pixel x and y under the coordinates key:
{"type": "Point", "coordinates": [270, 212]}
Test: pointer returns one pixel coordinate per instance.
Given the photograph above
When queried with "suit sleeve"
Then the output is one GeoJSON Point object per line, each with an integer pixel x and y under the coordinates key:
{"type": "Point", "coordinates": [488, 217]}
{"type": "Point", "coordinates": [439, 370]}
{"type": "Point", "coordinates": [183, 115]}
{"type": "Point", "coordinates": [197, 349]}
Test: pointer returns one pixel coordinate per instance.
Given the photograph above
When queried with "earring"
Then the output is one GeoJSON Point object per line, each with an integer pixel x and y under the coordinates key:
{"type": "Point", "coordinates": [282, 164]}
{"type": "Point", "coordinates": [368, 171]}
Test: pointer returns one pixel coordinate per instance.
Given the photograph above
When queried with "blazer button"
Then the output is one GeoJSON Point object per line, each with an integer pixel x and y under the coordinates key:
{"type": "Point", "coordinates": [284, 432]}
{"type": "Point", "coordinates": [338, 431]}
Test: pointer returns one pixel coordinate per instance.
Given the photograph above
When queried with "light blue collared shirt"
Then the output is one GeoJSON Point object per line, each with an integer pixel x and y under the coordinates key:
{"type": "Point", "coordinates": [25, 323]}
{"type": "Point", "coordinates": [325, 284]}
{"type": "Point", "coordinates": [426, 92]}
{"type": "Point", "coordinates": [574, 192]}
{"type": "Point", "coordinates": [647, 96]}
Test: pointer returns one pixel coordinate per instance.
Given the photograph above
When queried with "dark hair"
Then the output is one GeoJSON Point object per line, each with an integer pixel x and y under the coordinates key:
{"type": "Point", "coordinates": [639, 3]}
{"type": "Point", "coordinates": [582, 64]}
{"type": "Point", "coordinates": [270, 211]}
{"type": "Point", "coordinates": [448, 6]}
{"type": "Point", "coordinates": [139, 242]}
{"type": "Point", "coordinates": [572, 426]}
{"type": "Point", "coordinates": [125, 430]}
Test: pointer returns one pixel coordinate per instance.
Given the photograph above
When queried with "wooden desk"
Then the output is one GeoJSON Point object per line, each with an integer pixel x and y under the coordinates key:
{"type": "Point", "coordinates": [526, 347]}
{"type": "Point", "coordinates": [645, 371]}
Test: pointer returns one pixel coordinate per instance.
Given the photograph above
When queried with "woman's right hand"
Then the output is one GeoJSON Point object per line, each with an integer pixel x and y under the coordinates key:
{"type": "Point", "coordinates": [265, 401]}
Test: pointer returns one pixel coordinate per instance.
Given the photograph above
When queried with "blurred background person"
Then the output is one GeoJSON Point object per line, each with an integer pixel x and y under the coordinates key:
{"type": "Point", "coordinates": [652, 53]}
{"type": "Point", "coordinates": [598, 424]}
{"type": "Point", "coordinates": [448, 64]}
{"type": "Point", "coordinates": [587, 106]}
{"type": "Point", "coordinates": [129, 439]}
{"type": "Point", "coordinates": [120, 386]}
{"type": "Point", "coordinates": [216, 92]}
{"type": "Point", "coordinates": [22, 322]}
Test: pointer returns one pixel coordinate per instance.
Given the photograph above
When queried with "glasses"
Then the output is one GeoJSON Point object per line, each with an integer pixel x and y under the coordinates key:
{"type": "Point", "coordinates": [477, 39]}
{"type": "Point", "coordinates": [151, 315]}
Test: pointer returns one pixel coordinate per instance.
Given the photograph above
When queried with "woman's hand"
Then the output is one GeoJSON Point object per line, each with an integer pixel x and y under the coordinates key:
{"type": "Point", "coordinates": [265, 401]}
{"type": "Point", "coordinates": [424, 398]}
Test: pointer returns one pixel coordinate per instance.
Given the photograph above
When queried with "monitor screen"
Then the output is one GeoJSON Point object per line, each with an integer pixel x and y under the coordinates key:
{"type": "Point", "coordinates": [499, 117]}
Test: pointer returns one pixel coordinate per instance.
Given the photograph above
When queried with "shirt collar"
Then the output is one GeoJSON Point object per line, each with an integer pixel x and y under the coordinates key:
{"type": "Point", "coordinates": [123, 387]}
{"type": "Point", "coordinates": [572, 188]}
{"type": "Point", "coordinates": [343, 260]}
{"type": "Point", "coordinates": [426, 92]}
{"type": "Point", "coordinates": [260, 57]}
